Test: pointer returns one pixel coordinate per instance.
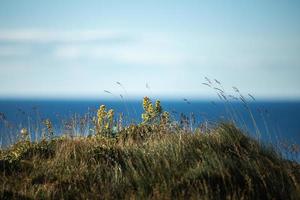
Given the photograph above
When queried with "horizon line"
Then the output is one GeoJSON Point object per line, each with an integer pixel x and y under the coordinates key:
{"type": "Point", "coordinates": [139, 97]}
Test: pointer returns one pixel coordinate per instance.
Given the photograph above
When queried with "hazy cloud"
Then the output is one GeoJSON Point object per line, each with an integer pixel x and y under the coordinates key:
{"type": "Point", "coordinates": [41, 36]}
{"type": "Point", "coordinates": [134, 54]}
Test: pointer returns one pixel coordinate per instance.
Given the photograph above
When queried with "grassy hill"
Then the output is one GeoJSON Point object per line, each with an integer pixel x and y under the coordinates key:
{"type": "Point", "coordinates": [157, 159]}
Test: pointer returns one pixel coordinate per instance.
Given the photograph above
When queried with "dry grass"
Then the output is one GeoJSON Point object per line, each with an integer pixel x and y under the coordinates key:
{"type": "Point", "coordinates": [148, 162]}
{"type": "Point", "coordinates": [157, 159]}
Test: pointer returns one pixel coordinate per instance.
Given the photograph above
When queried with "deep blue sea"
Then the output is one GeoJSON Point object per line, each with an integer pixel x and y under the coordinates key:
{"type": "Point", "coordinates": [276, 121]}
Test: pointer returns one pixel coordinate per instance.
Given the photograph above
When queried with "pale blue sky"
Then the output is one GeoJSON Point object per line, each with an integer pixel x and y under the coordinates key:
{"type": "Point", "coordinates": [80, 48]}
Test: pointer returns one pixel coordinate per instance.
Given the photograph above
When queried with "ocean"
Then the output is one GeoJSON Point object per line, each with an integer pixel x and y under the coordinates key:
{"type": "Point", "coordinates": [276, 121]}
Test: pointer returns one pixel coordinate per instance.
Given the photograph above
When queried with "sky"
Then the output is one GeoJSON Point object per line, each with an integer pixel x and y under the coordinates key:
{"type": "Point", "coordinates": [78, 49]}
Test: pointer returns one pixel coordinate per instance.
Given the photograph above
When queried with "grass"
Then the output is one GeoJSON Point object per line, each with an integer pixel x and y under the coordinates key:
{"type": "Point", "coordinates": [157, 159]}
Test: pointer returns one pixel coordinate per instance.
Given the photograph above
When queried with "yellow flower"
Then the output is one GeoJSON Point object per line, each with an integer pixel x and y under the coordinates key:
{"type": "Point", "coordinates": [101, 115]}
{"type": "Point", "coordinates": [146, 103]}
{"type": "Point", "coordinates": [165, 117]}
{"type": "Point", "coordinates": [110, 116]}
{"type": "Point", "coordinates": [158, 108]}
{"type": "Point", "coordinates": [150, 110]}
